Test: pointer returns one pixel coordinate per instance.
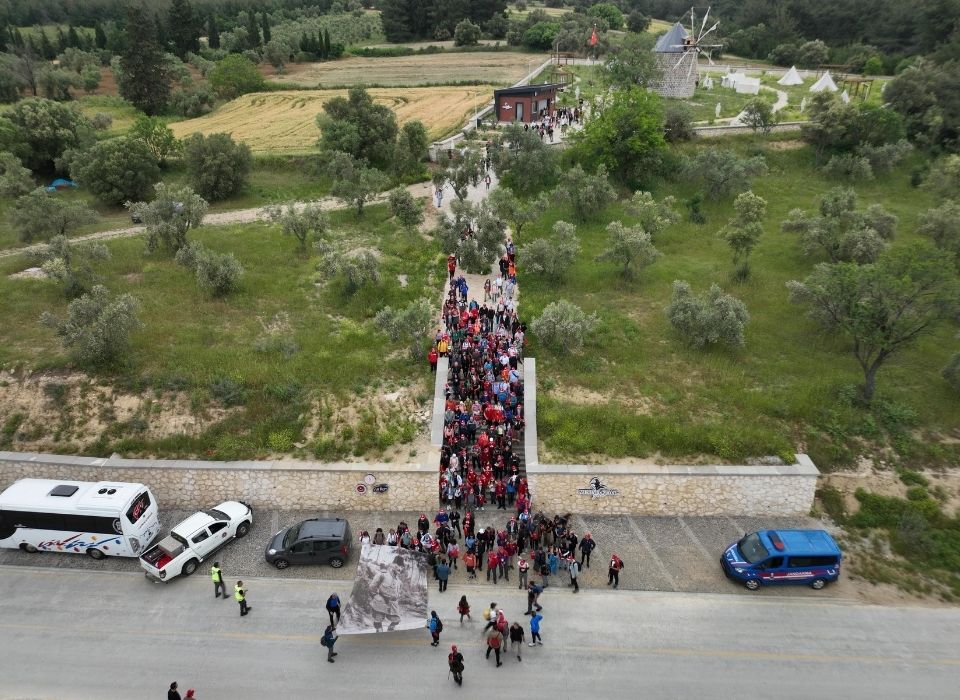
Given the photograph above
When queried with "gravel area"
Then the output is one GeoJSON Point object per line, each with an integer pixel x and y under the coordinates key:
{"type": "Point", "coordinates": [660, 553]}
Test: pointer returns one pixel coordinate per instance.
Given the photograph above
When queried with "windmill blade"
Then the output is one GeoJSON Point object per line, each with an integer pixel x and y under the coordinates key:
{"type": "Point", "coordinates": [710, 60]}
{"type": "Point", "coordinates": [693, 63]}
{"type": "Point", "coordinates": [682, 57]}
{"type": "Point", "coordinates": [693, 22]}
{"type": "Point", "coordinates": [715, 25]}
{"type": "Point", "coordinates": [703, 24]}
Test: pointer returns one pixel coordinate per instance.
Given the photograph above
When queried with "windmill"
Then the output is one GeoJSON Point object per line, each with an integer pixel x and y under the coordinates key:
{"type": "Point", "coordinates": [693, 45]}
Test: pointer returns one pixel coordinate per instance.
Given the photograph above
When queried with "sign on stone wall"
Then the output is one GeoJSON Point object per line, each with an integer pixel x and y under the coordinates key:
{"type": "Point", "coordinates": [597, 489]}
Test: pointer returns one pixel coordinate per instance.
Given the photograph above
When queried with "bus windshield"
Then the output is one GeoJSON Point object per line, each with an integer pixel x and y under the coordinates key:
{"type": "Point", "coordinates": [752, 548]}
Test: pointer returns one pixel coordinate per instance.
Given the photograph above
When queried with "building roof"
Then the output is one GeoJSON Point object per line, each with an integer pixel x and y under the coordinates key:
{"type": "Point", "coordinates": [672, 41]}
{"type": "Point", "coordinates": [528, 89]}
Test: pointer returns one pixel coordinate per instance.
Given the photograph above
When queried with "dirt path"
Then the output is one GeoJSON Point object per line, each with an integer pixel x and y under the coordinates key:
{"type": "Point", "coordinates": [222, 218]}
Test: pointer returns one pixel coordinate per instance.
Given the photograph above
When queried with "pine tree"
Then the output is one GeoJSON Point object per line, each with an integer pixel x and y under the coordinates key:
{"type": "Point", "coordinates": [73, 39]}
{"type": "Point", "coordinates": [100, 36]}
{"type": "Point", "coordinates": [326, 44]}
{"type": "Point", "coordinates": [183, 28]}
{"type": "Point", "coordinates": [266, 27]}
{"type": "Point", "coordinates": [146, 81]}
{"type": "Point", "coordinates": [45, 47]}
{"type": "Point", "coordinates": [62, 44]}
{"type": "Point", "coordinates": [213, 33]}
{"type": "Point", "coordinates": [253, 31]}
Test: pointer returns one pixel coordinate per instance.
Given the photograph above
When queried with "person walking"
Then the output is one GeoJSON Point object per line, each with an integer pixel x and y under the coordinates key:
{"type": "Point", "coordinates": [586, 547]}
{"type": "Point", "coordinates": [436, 627]}
{"type": "Point", "coordinates": [492, 562]}
{"type": "Point", "coordinates": [486, 181]}
{"type": "Point", "coordinates": [574, 569]}
{"type": "Point", "coordinates": [240, 595]}
{"type": "Point", "coordinates": [533, 596]}
{"type": "Point", "coordinates": [329, 639]}
{"type": "Point", "coordinates": [535, 629]}
{"type": "Point", "coordinates": [443, 574]}
{"type": "Point", "coordinates": [516, 639]}
{"type": "Point", "coordinates": [523, 566]}
{"type": "Point", "coordinates": [173, 693]}
{"type": "Point", "coordinates": [463, 607]}
{"type": "Point", "coordinates": [333, 607]}
{"type": "Point", "coordinates": [616, 564]}
{"type": "Point", "coordinates": [216, 573]}
{"type": "Point", "coordinates": [455, 662]}
{"type": "Point", "coordinates": [470, 561]}
{"type": "Point", "coordinates": [432, 357]}
{"type": "Point", "coordinates": [494, 641]}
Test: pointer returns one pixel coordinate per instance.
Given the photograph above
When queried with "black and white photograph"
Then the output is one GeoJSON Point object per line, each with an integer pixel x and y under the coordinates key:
{"type": "Point", "coordinates": [389, 593]}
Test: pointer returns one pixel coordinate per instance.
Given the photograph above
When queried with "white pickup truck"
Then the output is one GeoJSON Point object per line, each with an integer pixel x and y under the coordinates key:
{"type": "Point", "coordinates": [195, 539]}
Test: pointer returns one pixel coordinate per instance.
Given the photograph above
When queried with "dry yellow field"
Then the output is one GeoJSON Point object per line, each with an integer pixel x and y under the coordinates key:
{"type": "Point", "coordinates": [500, 69]}
{"type": "Point", "coordinates": [285, 122]}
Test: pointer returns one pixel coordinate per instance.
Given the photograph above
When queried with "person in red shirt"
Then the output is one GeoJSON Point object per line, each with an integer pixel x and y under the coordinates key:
{"type": "Point", "coordinates": [432, 357]}
{"type": "Point", "coordinates": [493, 563]}
{"type": "Point", "coordinates": [500, 491]}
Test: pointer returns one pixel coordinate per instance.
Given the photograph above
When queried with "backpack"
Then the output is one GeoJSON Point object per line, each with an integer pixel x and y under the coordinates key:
{"type": "Point", "coordinates": [439, 625]}
{"type": "Point", "coordinates": [502, 626]}
{"type": "Point", "coordinates": [487, 614]}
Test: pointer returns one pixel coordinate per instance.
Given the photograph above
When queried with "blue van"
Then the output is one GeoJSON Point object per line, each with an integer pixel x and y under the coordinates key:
{"type": "Point", "coordinates": [783, 556]}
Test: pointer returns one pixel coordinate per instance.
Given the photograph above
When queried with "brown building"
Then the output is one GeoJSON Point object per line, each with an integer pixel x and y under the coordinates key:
{"type": "Point", "coordinates": [524, 103]}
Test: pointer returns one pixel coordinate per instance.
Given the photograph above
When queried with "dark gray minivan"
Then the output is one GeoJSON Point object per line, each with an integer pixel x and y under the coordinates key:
{"type": "Point", "coordinates": [314, 541]}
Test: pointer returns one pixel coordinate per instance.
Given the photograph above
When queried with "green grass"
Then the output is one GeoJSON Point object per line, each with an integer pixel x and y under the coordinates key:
{"type": "Point", "coordinates": [123, 113]}
{"type": "Point", "coordinates": [272, 180]}
{"type": "Point", "coordinates": [788, 389]}
{"type": "Point", "coordinates": [189, 341]}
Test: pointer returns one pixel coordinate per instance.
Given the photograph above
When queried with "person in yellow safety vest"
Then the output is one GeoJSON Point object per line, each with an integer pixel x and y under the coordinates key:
{"type": "Point", "coordinates": [216, 573]}
{"type": "Point", "coordinates": [241, 596]}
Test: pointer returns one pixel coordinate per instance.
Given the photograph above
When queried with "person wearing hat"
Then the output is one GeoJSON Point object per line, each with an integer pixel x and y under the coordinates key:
{"type": "Point", "coordinates": [191, 694]}
{"type": "Point", "coordinates": [329, 639]}
{"type": "Point", "coordinates": [455, 661]}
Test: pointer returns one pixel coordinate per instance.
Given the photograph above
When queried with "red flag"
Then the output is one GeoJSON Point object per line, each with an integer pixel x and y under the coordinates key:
{"type": "Point", "coordinates": [593, 37]}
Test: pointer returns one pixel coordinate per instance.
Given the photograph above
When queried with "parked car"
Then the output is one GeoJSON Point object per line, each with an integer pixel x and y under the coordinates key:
{"type": "Point", "coordinates": [314, 541]}
{"type": "Point", "coordinates": [783, 556]}
{"type": "Point", "coordinates": [195, 539]}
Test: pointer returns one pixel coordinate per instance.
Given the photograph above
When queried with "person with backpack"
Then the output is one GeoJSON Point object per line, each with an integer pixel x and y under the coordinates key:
{"type": "Point", "coordinates": [516, 639]}
{"type": "Point", "coordinates": [333, 607]}
{"type": "Point", "coordinates": [494, 641]}
{"type": "Point", "coordinates": [455, 662]}
{"type": "Point", "coordinates": [535, 629]}
{"type": "Point", "coordinates": [533, 596]}
{"type": "Point", "coordinates": [436, 627]}
{"type": "Point", "coordinates": [329, 639]}
{"type": "Point", "coordinates": [453, 552]}
{"type": "Point", "coordinates": [443, 574]}
{"type": "Point", "coordinates": [463, 607]}
{"type": "Point", "coordinates": [574, 569]}
{"type": "Point", "coordinates": [616, 564]}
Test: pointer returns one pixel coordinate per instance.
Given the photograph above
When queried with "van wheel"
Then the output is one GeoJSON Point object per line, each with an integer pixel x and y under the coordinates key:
{"type": "Point", "coordinates": [95, 553]}
{"type": "Point", "coordinates": [190, 567]}
{"type": "Point", "coordinates": [818, 583]}
{"type": "Point", "coordinates": [242, 529]}
{"type": "Point", "coordinates": [29, 548]}
{"type": "Point", "coordinates": [336, 562]}
{"type": "Point", "coordinates": [752, 584]}
{"type": "Point", "coordinates": [281, 564]}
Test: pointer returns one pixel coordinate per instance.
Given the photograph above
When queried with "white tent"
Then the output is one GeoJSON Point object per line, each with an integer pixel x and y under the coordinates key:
{"type": "Point", "coordinates": [825, 83]}
{"type": "Point", "coordinates": [791, 77]}
{"type": "Point", "coordinates": [748, 86]}
{"type": "Point", "coordinates": [845, 96]}
{"type": "Point", "coordinates": [730, 79]}
{"type": "Point", "coordinates": [708, 83]}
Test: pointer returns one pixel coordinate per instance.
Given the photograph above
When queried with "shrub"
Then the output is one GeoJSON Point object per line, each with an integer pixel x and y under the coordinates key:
{"type": "Point", "coordinates": [849, 166]}
{"type": "Point", "coordinates": [912, 478]}
{"type": "Point", "coordinates": [217, 166]}
{"type": "Point", "coordinates": [885, 157]}
{"type": "Point", "coordinates": [711, 319]}
{"type": "Point", "coordinates": [724, 172]}
{"type": "Point", "coordinates": [356, 269]}
{"type": "Point", "coordinates": [466, 33]}
{"type": "Point", "coordinates": [552, 258]}
{"type": "Point", "coordinates": [677, 122]}
{"type": "Point", "coordinates": [407, 209]}
{"type": "Point", "coordinates": [758, 114]}
{"type": "Point", "coordinates": [952, 372]}
{"type": "Point", "coordinates": [41, 215]}
{"type": "Point", "coordinates": [630, 246]}
{"type": "Point", "coordinates": [70, 264]}
{"type": "Point", "coordinates": [410, 324]}
{"type": "Point", "coordinates": [97, 328]}
{"type": "Point", "coordinates": [588, 195]}
{"type": "Point", "coordinates": [228, 391]}
{"type": "Point", "coordinates": [101, 121]}
{"type": "Point", "coordinates": [117, 170]}
{"type": "Point", "coordinates": [563, 326]}
{"type": "Point", "coordinates": [217, 273]}
{"type": "Point", "coordinates": [236, 75]}
{"type": "Point", "coordinates": [170, 216]}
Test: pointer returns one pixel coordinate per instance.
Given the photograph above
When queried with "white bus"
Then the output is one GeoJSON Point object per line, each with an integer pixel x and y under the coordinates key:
{"type": "Point", "coordinates": [100, 519]}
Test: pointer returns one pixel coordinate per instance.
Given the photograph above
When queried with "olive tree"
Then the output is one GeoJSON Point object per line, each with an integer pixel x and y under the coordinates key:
{"type": "Point", "coordinates": [354, 269]}
{"type": "Point", "coordinates": [882, 307]}
{"type": "Point", "coordinates": [217, 166]}
{"type": "Point", "coordinates": [653, 216]}
{"type": "Point", "coordinates": [758, 114]}
{"type": "Point", "coordinates": [743, 231]}
{"type": "Point", "coordinates": [724, 172]}
{"type": "Point", "coordinates": [217, 273]}
{"type": "Point", "coordinates": [71, 264]}
{"type": "Point", "coordinates": [515, 211]}
{"type": "Point", "coordinates": [301, 222]}
{"type": "Point", "coordinates": [563, 326]}
{"type": "Point", "coordinates": [588, 195]}
{"type": "Point", "coordinates": [552, 257]}
{"type": "Point", "coordinates": [42, 215]}
{"type": "Point", "coordinates": [170, 216]}
{"type": "Point", "coordinates": [631, 247]}
{"type": "Point", "coordinates": [116, 170]}
{"type": "Point", "coordinates": [713, 318]}
{"type": "Point", "coordinates": [15, 180]}
{"type": "Point", "coordinates": [97, 328]}
{"type": "Point", "coordinates": [410, 324]}
{"type": "Point", "coordinates": [353, 183]}
{"type": "Point", "coordinates": [407, 209]}
{"type": "Point", "coordinates": [462, 171]}
{"type": "Point", "coordinates": [942, 225]}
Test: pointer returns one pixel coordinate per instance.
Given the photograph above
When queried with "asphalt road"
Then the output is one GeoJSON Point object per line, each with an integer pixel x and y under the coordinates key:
{"type": "Point", "coordinates": [79, 634]}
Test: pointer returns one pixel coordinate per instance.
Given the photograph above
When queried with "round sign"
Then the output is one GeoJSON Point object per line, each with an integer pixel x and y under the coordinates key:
{"type": "Point", "coordinates": [369, 479]}
{"type": "Point", "coordinates": [361, 488]}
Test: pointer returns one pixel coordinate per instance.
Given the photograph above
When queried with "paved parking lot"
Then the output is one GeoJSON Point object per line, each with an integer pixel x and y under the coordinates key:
{"type": "Point", "coordinates": [661, 553]}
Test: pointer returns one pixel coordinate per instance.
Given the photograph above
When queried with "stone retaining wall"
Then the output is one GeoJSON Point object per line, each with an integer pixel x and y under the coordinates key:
{"type": "Point", "coordinates": [675, 490]}
{"type": "Point", "coordinates": [280, 484]}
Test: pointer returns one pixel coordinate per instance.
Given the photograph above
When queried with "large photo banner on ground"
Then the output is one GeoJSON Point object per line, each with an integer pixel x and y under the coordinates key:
{"type": "Point", "coordinates": [389, 593]}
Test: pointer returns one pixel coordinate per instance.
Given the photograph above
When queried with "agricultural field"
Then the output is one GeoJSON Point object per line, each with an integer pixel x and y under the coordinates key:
{"type": "Point", "coordinates": [285, 122]}
{"type": "Point", "coordinates": [491, 68]}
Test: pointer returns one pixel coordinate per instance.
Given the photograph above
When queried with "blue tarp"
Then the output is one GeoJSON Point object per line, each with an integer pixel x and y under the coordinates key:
{"type": "Point", "coordinates": [60, 184]}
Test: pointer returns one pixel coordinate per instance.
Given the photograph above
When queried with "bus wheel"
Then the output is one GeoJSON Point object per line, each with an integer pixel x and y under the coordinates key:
{"type": "Point", "coordinates": [95, 553]}
{"type": "Point", "coordinates": [29, 548]}
{"type": "Point", "coordinates": [190, 567]}
{"type": "Point", "coordinates": [752, 584]}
